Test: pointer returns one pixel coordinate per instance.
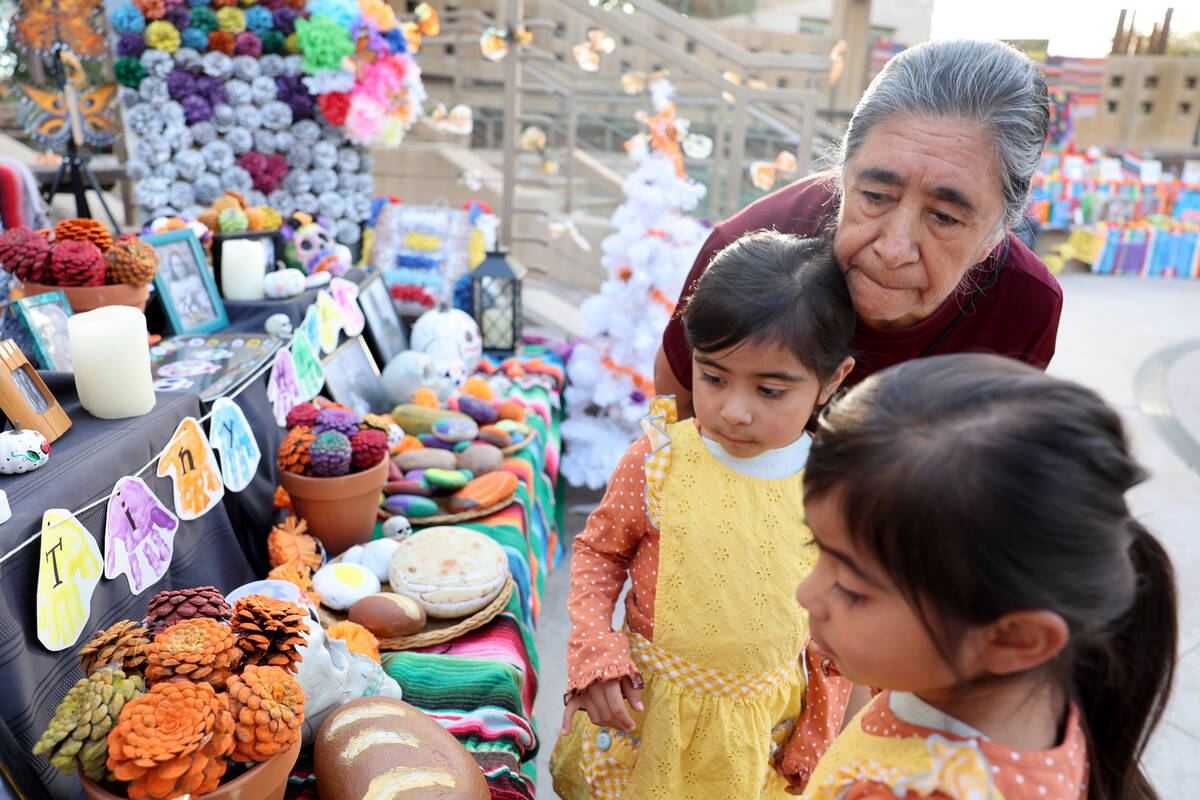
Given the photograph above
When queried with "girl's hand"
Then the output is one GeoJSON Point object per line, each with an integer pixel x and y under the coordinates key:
{"type": "Point", "coordinates": [604, 702]}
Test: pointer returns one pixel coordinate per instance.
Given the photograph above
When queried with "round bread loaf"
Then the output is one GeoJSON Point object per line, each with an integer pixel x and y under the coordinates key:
{"type": "Point", "coordinates": [450, 571]}
{"type": "Point", "coordinates": [380, 748]}
{"type": "Point", "coordinates": [388, 614]}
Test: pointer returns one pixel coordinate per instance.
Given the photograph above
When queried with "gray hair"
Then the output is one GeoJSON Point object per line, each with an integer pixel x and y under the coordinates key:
{"type": "Point", "coordinates": [987, 82]}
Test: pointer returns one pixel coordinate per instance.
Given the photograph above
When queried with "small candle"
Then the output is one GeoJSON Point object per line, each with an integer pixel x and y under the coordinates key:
{"type": "Point", "coordinates": [111, 354]}
{"type": "Point", "coordinates": [498, 329]}
{"type": "Point", "coordinates": [243, 265]}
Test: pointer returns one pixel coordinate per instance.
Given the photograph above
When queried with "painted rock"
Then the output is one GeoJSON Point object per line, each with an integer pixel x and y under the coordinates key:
{"type": "Point", "coordinates": [415, 419]}
{"type": "Point", "coordinates": [411, 506]}
{"type": "Point", "coordinates": [511, 409]}
{"type": "Point", "coordinates": [283, 283]}
{"type": "Point", "coordinates": [394, 471]}
{"type": "Point", "coordinates": [317, 279]}
{"type": "Point", "coordinates": [453, 429]}
{"type": "Point", "coordinates": [493, 435]}
{"type": "Point", "coordinates": [508, 426]}
{"type": "Point", "coordinates": [414, 475]}
{"type": "Point", "coordinates": [484, 491]}
{"type": "Point", "coordinates": [460, 446]}
{"type": "Point", "coordinates": [479, 410]}
{"type": "Point", "coordinates": [376, 555]}
{"type": "Point", "coordinates": [451, 571]}
{"type": "Point", "coordinates": [452, 479]}
{"type": "Point", "coordinates": [22, 451]}
{"type": "Point", "coordinates": [429, 440]}
{"type": "Point", "coordinates": [427, 458]}
{"type": "Point", "coordinates": [379, 747]}
{"type": "Point", "coordinates": [397, 527]}
{"type": "Point", "coordinates": [481, 459]}
{"type": "Point", "coordinates": [341, 585]}
{"type": "Point", "coordinates": [418, 488]}
{"type": "Point", "coordinates": [388, 614]}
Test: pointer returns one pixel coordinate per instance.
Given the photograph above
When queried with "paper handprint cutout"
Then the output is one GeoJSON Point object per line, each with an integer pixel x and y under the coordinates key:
{"type": "Point", "coordinates": [345, 294]}
{"type": "Point", "coordinates": [230, 434]}
{"type": "Point", "coordinates": [283, 387]}
{"type": "Point", "coordinates": [68, 571]}
{"type": "Point", "coordinates": [139, 535]}
{"type": "Point", "coordinates": [189, 461]}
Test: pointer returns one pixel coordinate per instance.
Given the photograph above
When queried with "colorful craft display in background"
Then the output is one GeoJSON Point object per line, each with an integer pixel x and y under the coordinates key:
{"type": "Point", "coordinates": [139, 534]}
{"type": "Point", "coordinates": [69, 567]}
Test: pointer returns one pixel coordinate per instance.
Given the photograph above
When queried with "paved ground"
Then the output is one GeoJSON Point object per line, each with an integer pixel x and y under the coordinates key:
{"type": "Point", "coordinates": [1137, 342]}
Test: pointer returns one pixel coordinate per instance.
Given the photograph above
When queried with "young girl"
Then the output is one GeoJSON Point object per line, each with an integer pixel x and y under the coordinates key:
{"type": "Point", "coordinates": [702, 514]}
{"type": "Point", "coordinates": [978, 562]}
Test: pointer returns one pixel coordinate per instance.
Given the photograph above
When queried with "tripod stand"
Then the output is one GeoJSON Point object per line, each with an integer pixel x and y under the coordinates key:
{"type": "Point", "coordinates": [75, 160]}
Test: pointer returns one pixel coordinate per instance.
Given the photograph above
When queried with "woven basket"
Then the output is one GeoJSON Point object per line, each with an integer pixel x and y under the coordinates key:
{"type": "Point", "coordinates": [436, 631]}
{"type": "Point", "coordinates": [513, 449]}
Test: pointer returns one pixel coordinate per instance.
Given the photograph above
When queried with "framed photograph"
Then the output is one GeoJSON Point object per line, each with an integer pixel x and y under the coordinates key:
{"type": "Point", "coordinates": [270, 241]}
{"type": "Point", "coordinates": [24, 397]}
{"type": "Point", "coordinates": [185, 285]}
{"type": "Point", "coordinates": [353, 379]}
{"type": "Point", "coordinates": [384, 327]}
{"type": "Point", "coordinates": [44, 317]}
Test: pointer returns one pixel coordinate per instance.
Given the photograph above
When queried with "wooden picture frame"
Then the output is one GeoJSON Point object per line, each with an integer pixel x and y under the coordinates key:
{"type": "Point", "coordinates": [272, 243]}
{"type": "Point", "coordinates": [353, 378]}
{"type": "Point", "coordinates": [44, 317]}
{"type": "Point", "coordinates": [24, 398]}
{"type": "Point", "coordinates": [384, 328]}
{"type": "Point", "coordinates": [185, 285]}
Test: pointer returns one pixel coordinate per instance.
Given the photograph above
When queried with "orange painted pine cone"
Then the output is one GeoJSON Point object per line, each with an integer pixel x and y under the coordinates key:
{"type": "Point", "coordinates": [124, 644]}
{"type": "Point", "coordinates": [289, 544]}
{"type": "Point", "coordinates": [293, 451]}
{"type": "Point", "coordinates": [130, 260]}
{"type": "Point", "coordinates": [281, 500]}
{"type": "Point", "coordinates": [196, 649]}
{"type": "Point", "coordinates": [357, 638]}
{"type": "Point", "coordinates": [268, 709]}
{"type": "Point", "coordinates": [269, 630]}
{"type": "Point", "coordinates": [172, 741]}
{"type": "Point", "coordinates": [82, 229]}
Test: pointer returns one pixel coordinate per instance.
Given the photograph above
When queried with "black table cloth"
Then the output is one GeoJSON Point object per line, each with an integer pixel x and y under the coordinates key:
{"type": "Point", "coordinates": [84, 464]}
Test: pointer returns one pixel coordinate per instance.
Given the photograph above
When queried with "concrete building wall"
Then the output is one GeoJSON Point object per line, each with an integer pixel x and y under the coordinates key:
{"type": "Point", "coordinates": [1145, 101]}
{"type": "Point", "coordinates": [905, 21]}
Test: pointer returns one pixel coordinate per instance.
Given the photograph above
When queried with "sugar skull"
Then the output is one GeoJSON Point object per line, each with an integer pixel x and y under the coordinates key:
{"type": "Point", "coordinates": [22, 451]}
{"type": "Point", "coordinates": [310, 247]}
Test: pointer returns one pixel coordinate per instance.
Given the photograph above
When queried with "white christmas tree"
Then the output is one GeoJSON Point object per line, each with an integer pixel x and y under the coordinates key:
{"type": "Point", "coordinates": [611, 374]}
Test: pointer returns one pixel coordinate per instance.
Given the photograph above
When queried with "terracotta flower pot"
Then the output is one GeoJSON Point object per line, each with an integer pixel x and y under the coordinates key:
{"type": "Point", "coordinates": [265, 781]}
{"type": "Point", "coordinates": [339, 511]}
{"type": "Point", "coordinates": [85, 298]}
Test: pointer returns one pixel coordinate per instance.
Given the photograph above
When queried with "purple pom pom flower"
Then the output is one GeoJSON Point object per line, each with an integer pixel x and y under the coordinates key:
{"type": "Point", "coordinates": [335, 419]}
{"type": "Point", "coordinates": [196, 109]}
{"type": "Point", "coordinates": [131, 45]}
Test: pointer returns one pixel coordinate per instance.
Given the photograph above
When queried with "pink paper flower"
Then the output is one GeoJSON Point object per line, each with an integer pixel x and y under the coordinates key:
{"type": "Point", "coordinates": [364, 118]}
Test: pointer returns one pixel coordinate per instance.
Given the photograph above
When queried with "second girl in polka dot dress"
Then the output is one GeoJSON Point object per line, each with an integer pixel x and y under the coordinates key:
{"type": "Point", "coordinates": [705, 517]}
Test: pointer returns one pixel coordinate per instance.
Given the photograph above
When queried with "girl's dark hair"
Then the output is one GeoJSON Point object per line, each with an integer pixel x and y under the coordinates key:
{"type": "Point", "coordinates": [984, 487]}
{"type": "Point", "coordinates": [776, 288]}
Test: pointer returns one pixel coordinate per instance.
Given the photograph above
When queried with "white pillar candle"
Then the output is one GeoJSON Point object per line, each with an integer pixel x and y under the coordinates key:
{"type": "Point", "coordinates": [243, 265]}
{"type": "Point", "coordinates": [111, 354]}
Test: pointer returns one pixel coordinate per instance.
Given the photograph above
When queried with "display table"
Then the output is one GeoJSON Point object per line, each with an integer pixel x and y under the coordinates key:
{"type": "Point", "coordinates": [481, 686]}
{"type": "Point", "coordinates": [84, 464]}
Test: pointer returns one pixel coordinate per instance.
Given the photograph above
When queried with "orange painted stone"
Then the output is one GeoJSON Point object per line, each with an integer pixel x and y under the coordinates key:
{"type": "Point", "coordinates": [484, 491]}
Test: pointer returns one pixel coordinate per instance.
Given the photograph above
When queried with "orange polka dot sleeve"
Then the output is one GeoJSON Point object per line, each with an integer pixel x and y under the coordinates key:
{"type": "Point", "coordinates": [619, 540]}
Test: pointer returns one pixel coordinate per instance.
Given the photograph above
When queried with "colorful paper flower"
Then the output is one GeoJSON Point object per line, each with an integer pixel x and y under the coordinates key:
{"type": "Point", "coordinates": [335, 106]}
{"type": "Point", "coordinates": [188, 59]}
{"type": "Point", "coordinates": [221, 42]}
{"type": "Point", "coordinates": [127, 19]}
{"type": "Point", "coordinates": [285, 20]}
{"type": "Point", "coordinates": [259, 19]}
{"type": "Point", "coordinates": [162, 36]}
{"type": "Point", "coordinates": [213, 89]}
{"type": "Point", "coordinates": [291, 44]}
{"type": "Point", "coordinates": [324, 43]}
{"type": "Point", "coordinates": [178, 17]}
{"type": "Point", "coordinates": [157, 63]}
{"type": "Point", "coordinates": [151, 9]}
{"type": "Point", "coordinates": [246, 43]}
{"type": "Point", "coordinates": [246, 68]}
{"type": "Point", "coordinates": [274, 43]}
{"type": "Point", "coordinates": [181, 84]}
{"type": "Point", "coordinates": [365, 118]}
{"type": "Point", "coordinates": [195, 39]}
{"type": "Point", "coordinates": [231, 19]}
{"type": "Point", "coordinates": [378, 14]}
{"type": "Point", "coordinates": [204, 19]}
{"type": "Point", "coordinates": [218, 65]}
{"type": "Point", "coordinates": [131, 45]}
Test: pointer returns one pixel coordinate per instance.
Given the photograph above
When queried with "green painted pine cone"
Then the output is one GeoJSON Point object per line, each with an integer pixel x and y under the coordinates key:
{"type": "Point", "coordinates": [77, 737]}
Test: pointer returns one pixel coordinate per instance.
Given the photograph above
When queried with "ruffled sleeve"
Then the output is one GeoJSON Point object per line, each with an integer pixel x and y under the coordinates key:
{"type": "Point", "coordinates": [599, 566]}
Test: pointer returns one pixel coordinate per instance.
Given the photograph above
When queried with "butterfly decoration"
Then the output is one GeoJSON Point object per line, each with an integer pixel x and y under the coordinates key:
{"type": "Point", "coordinates": [559, 227]}
{"type": "Point", "coordinates": [695, 145]}
{"type": "Point", "coordinates": [45, 26]}
{"type": "Point", "coordinates": [458, 120]}
{"type": "Point", "coordinates": [49, 117]}
{"type": "Point", "coordinates": [427, 24]}
{"type": "Point", "coordinates": [764, 173]}
{"type": "Point", "coordinates": [637, 81]}
{"type": "Point", "coordinates": [587, 54]}
{"type": "Point", "coordinates": [494, 43]}
{"type": "Point", "coordinates": [533, 140]}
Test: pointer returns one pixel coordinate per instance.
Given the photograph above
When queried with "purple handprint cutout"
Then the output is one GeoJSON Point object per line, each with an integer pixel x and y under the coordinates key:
{"type": "Point", "coordinates": [139, 535]}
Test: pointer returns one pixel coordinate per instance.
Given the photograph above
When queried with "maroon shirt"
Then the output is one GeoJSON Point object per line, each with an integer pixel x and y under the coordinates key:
{"type": "Point", "coordinates": [1015, 315]}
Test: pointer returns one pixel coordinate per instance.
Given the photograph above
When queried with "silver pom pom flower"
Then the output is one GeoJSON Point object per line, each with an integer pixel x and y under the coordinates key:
{"type": "Point", "coordinates": [241, 140]}
{"type": "Point", "coordinates": [218, 155]}
{"type": "Point", "coordinates": [208, 189]}
{"type": "Point", "coordinates": [224, 118]}
{"type": "Point", "coordinates": [246, 68]}
{"type": "Point", "coordinates": [236, 179]}
{"type": "Point", "coordinates": [217, 64]}
{"type": "Point", "coordinates": [190, 164]}
{"type": "Point", "coordinates": [277, 115]}
{"type": "Point", "coordinates": [263, 89]}
{"type": "Point", "coordinates": [203, 133]}
{"type": "Point", "coordinates": [157, 63]}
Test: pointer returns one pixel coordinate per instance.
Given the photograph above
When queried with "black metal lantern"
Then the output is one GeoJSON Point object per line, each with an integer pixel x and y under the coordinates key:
{"type": "Point", "coordinates": [496, 303]}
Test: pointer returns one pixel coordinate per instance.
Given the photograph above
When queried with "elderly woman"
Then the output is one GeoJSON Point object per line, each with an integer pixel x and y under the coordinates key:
{"type": "Point", "coordinates": [936, 168]}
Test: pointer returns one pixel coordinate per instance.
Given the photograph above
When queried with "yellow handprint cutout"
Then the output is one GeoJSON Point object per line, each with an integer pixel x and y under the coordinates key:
{"type": "Point", "coordinates": [68, 571]}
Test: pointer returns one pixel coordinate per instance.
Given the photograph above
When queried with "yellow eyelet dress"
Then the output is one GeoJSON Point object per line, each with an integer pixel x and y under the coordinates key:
{"type": "Point", "coordinates": [723, 682]}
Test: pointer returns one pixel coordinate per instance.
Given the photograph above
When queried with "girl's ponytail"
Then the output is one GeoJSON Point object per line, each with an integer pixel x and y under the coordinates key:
{"type": "Point", "coordinates": [1123, 676]}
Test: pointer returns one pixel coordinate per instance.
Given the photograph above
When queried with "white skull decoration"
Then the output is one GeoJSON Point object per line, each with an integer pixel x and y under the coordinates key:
{"type": "Point", "coordinates": [448, 329]}
{"type": "Point", "coordinates": [22, 451]}
{"type": "Point", "coordinates": [407, 372]}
